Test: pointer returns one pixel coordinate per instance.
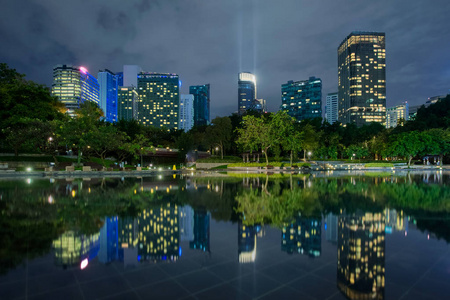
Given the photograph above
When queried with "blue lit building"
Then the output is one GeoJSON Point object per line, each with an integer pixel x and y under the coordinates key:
{"type": "Point", "coordinates": [73, 86]}
{"type": "Point", "coordinates": [108, 83]}
{"type": "Point", "coordinates": [201, 104]}
{"type": "Point", "coordinates": [246, 91]}
{"type": "Point", "coordinates": [302, 99]}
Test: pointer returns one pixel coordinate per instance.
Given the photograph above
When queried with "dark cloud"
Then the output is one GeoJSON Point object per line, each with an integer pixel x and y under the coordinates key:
{"type": "Point", "coordinates": [211, 41]}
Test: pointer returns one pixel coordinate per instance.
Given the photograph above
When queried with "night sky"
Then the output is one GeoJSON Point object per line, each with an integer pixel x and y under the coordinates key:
{"type": "Point", "coordinates": [211, 41]}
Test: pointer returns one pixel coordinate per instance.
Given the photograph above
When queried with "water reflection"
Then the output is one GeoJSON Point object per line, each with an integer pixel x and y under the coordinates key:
{"type": "Point", "coordinates": [149, 220]}
{"type": "Point", "coordinates": [303, 236]}
{"type": "Point", "coordinates": [361, 255]}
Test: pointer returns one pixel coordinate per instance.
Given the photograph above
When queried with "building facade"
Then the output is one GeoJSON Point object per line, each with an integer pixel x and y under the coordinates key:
{"type": "Point", "coordinates": [246, 91]}
{"type": "Point", "coordinates": [186, 112]}
{"type": "Point", "coordinates": [396, 114]}
{"type": "Point", "coordinates": [201, 104]}
{"type": "Point", "coordinates": [331, 114]}
{"type": "Point", "coordinates": [73, 86]}
{"type": "Point", "coordinates": [302, 99]}
{"type": "Point", "coordinates": [362, 78]}
{"type": "Point", "coordinates": [127, 100]}
{"type": "Point", "coordinates": [159, 100]}
{"type": "Point", "coordinates": [108, 88]}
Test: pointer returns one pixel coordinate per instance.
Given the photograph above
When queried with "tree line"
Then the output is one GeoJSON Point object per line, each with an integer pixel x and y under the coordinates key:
{"type": "Point", "coordinates": [33, 121]}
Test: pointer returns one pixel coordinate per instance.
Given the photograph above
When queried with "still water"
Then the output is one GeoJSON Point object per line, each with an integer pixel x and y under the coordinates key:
{"type": "Point", "coordinates": [227, 236]}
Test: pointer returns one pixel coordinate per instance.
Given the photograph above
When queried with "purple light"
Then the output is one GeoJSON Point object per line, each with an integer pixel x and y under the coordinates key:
{"type": "Point", "coordinates": [83, 69]}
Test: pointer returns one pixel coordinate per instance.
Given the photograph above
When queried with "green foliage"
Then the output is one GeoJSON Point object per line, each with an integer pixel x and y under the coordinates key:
{"type": "Point", "coordinates": [219, 134]}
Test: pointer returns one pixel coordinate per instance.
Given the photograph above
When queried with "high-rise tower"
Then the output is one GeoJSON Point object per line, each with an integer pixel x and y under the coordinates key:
{"type": "Point", "coordinates": [302, 99]}
{"type": "Point", "coordinates": [332, 108]}
{"type": "Point", "coordinates": [246, 91]}
{"type": "Point", "coordinates": [73, 86]}
{"type": "Point", "coordinates": [201, 104]}
{"type": "Point", "coordinates": [159, 100]}
{"type": "Point", "coordinates": [108, 84]}
{"type": "Point", "coordinates": [362, 78]}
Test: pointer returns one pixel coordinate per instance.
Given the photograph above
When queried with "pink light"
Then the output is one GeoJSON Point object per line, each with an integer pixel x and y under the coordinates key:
{"type": "Point", "coordinates": [83, 69]}
{"type": "Point", "coordinates": [84, 263]}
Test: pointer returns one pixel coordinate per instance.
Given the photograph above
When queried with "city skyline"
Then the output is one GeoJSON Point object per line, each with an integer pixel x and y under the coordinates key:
{"type": "Point", "coordinates": [263, 38]}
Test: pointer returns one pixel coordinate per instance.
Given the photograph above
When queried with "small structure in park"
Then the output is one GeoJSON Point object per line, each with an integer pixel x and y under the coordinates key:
{"type": "Point", "coordinates": [250, 157]}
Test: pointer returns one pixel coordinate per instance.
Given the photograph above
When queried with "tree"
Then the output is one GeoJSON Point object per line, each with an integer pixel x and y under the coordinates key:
{"type": "Point", "coordinates": [104, 140]}
{"type": "Point", "coordinates": [288, 136]}
{"type": "Point", "coordinates": [439, 142]}
{"type": "Point", "coordinates": [219, 133]}
{"type": "Point", "coordinates": [140, 146]}
{"type": "Point", "coordinates": [256, 134]}
{"type": "Point", "coordinates": [409, 144]}
{"type": "Point", "coordinates": [310, 139]}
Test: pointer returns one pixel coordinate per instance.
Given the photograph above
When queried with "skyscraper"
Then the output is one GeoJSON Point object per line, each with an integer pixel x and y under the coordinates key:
{"type": "Point", "coordinates": [201, 104]}
{"type": "Point", "coordinates": [186, 112]}
{"type": "Point", "coordinates": [302, 99]}
{"type": "Point", "coordinates": [159, 100]}
{"type": "Point", "coordinates": [332, 108]}
{"type": "Point", "coordinates": [362, 78]}
{"type": "Point", "coordinates": [108, 87]}
{"type": "Point", "coordinates": [73, 86]}
{"type": "Point", "coordinates": [246, 91]}
{"type": "Point", "coordinates": [130, 75]}
{"type": "Point", "coordinates": [127, 100]}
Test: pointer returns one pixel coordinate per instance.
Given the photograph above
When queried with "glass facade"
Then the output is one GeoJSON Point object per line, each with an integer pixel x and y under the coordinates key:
{"type": "Point", "coordinates": [362, 78]}
{"type": "Point", "coordinates": [246, 91]}
{"type": "Point", "coordinates": [201, 104]}
{"type": "Point", "coordinates": [108, 83]}
{"type": "Point", "coordinates": [302, 99]}
{"type": "Point", "coordinates": [159, 100]}
{"type": "Point", "coordinates": [74, 85]}
{"type": "Point", "coordinates": [127, 99]}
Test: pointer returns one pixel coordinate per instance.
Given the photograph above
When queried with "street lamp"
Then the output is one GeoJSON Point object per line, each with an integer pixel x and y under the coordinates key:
{"type": "Point", "coordinates": [309, 155]}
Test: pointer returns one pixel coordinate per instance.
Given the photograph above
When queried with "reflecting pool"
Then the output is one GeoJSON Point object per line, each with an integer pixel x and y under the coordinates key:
{"type": "Point", "coordinates": [227, 236]}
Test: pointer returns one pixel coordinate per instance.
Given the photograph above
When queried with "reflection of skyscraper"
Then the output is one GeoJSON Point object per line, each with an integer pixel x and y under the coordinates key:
{"type": "Point", "coordinates": [71, 248]}
{"type": "Point", "coordinates": [246, 91]}
{"type": "Point", "coordinates": [128, 239]}
{"type": "Point", "coordinates": [246, 243]}
{"type": "Point", "coordinates": [186, 223]}
{"type": "Point", "coordinates": [361, 247]}
{"type": "Point", "coordinates": [201, 230]}
{"type": "Point", "coordinates": [302, 236]}
{"type": "Point", "coordinates": [109, 241]}
{"type": "Point", "coordinates": [395, 221]}
{"type": "Point", "coordinates": [332, 228]}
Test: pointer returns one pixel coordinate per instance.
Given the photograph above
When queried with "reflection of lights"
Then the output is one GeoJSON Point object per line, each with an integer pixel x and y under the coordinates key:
{"type": "Point", "coordinates": [428, 236]}
{"type": "Point", "coordinates": [73, 193]}
{"type": "Point", "coordinates": [50, 199]}
{"type": "Point", "coordinates": [159, 176]}
{"type": "Point", "coordinates": [406, 233]}
{"type": "Point", "coordinates": [84, 263]}
{"type": "Point", "coordinates": [52, 180]}
{"type": "Point", "coordinates": [29, 169]}
{"type": "Point", "coordinates": [217, 188]}
{"type": "Point", "coordinates": [89, 190]}
{"type": "Point", "coordinates": [167, 190]}
{"type": "Point", "coordinates": [159, 169]}
{"type": "Point", "coordinates": [28, 180]}
{"type": "Point", "coordinates": [151, 191]}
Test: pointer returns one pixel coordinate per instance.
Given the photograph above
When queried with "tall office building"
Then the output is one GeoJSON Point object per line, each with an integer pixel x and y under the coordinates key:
{"type": "Point", "coordinates": [361, 248]}
{"type": "Point", "coordinates": [362, 78]}
{"type": "Point", "coordinates": [302, 99]}
{"type": "Point", "coordinates": [186, 112]}
{"type": "Point", "coordinates": [159, 100]}
{"type": "Point", "coordinates": [108, 88]}
{"type": "Point", "coordinates": [127, 100]}
{"type": "Point", "coordinates": [73, 86]}
{"type": "Point", "coordinates": [246, 91]}
{"type": "Point", "coordinates": [332, 108]}
{"type": "Point", "coordinates": [395, 114]}
{"type": "Point", "coordinates": [201, 104]}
